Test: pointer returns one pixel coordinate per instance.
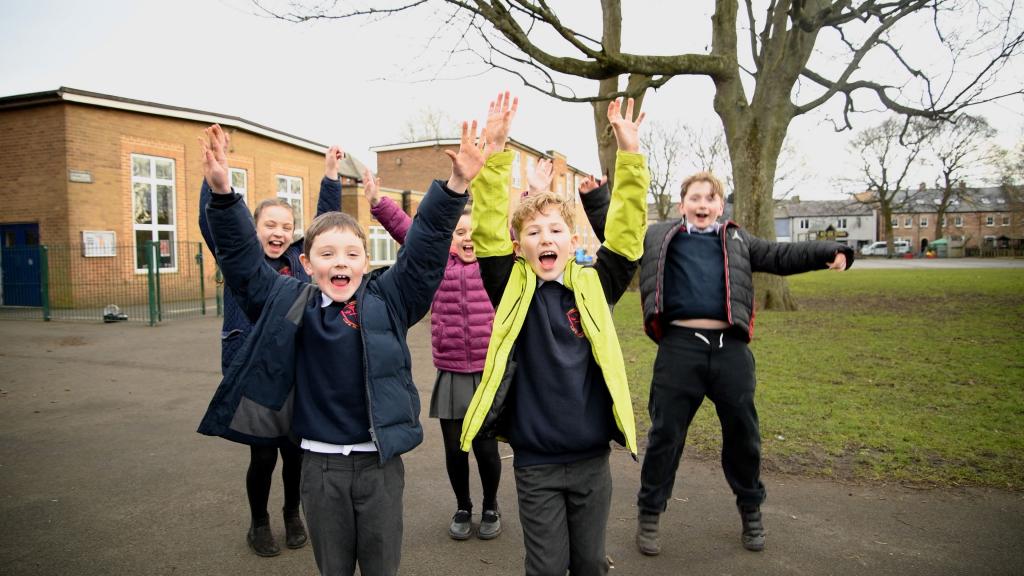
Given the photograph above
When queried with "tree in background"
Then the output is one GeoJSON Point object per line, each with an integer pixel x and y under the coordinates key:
{"type": "Point", "coordinates": [959, 148]}
{"type": "Point", "coordinates": [888, 154]}
{"type": "Point", "coordinates": [769, 63]}
{"type": "Point", "coordinates": [429, 124]}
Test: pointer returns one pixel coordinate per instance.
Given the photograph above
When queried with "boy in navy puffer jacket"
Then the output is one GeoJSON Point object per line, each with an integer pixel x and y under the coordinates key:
{"type": "Point", "coordinates": [336, 351]}
{"type": "Point", "coordinates": [275, 225]}
{"type": "Point", "coordinates": [460, 327]}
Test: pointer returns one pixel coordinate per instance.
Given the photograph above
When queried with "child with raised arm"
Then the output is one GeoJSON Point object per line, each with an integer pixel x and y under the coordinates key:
{"type": "Point", "coordinates": [554, 384]}
{"type": "Point", "coordinates": [275, 226]}
{"type": "Point", "coordinates": [336, 350]}
{"type": "Point", "coordinates": [698, 302]}
{"type": "Point", "coordinates": [460, 326]}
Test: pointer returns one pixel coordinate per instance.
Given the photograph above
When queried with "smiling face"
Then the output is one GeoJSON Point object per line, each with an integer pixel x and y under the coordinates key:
{"type": "Point", "coordinates": [275, 226]}
{"type": "Point", "coordinates": [462, 243]}
{"type": "Point", "coordinates": [336, 261]}
{"type": "Point", "coordinates": [700, 205]}
{"type": "Point", "coordinates": [546, 242]}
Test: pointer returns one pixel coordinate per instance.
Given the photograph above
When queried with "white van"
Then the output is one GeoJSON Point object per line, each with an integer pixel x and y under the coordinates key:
{"type": "Point", "coordinates": [878, 248]}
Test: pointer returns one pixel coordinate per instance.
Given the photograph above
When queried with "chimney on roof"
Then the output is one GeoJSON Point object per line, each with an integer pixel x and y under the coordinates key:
{"type": "Point", "coordinates": [795, 199]}
{"type": "Point", "coordinates": [922, 187]}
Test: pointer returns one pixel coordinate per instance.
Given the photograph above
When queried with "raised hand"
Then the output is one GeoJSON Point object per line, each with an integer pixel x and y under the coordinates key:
{"type": "Point", "coordinates": [839, 263]}
{"type": "Point", "coordinates": [214, 143]}
{"type": "Point", "coordinates": [589, 184]}
{"type": "Point", "coordinates": [371, 187]}
{"type": "Point", "coordinates": [332, 160]}
{"type": "Point", "coordinates": [540, 179]}
{"type": "Point", "coordinates": [500, 113]}
{"type": "Point", "coordinates": [626, 130]}
{"type": "Point", "coordinates": [468, 162]}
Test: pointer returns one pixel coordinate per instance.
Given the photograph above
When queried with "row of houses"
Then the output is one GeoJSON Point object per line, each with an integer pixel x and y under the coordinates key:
{"type": "Point", "coordinates": [979, 217]}
{"type": "Point", "coordinates": [109, 175]}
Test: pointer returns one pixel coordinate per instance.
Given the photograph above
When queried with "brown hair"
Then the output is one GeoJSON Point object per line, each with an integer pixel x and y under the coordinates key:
{"type": "Point", "coordinates": [272, 202]}
{"type": "Point", "coordinates": [332, 221]}
{"type": "Point", "coordinates": [534, 204]}
{"type": "Point", "coordinates": [717, 189]}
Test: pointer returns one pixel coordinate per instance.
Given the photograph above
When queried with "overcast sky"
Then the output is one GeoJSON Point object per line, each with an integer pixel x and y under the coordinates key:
{"type": "Point", "coordinates": [356, 83]}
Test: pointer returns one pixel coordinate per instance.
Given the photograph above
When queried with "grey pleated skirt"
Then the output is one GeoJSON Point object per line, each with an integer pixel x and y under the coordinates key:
{"type": "Point", "coordinates": [452, 394]}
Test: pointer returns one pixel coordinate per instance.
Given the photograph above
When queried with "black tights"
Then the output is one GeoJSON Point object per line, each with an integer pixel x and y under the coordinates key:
{"type": "Point", "coordinates": [457, 462]}
{"type": "Point", "coordinates": [262, 460]}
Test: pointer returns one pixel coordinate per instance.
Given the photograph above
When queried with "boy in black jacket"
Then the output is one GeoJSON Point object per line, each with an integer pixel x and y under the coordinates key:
{"type": "Point", "coordinates": [698, 299]}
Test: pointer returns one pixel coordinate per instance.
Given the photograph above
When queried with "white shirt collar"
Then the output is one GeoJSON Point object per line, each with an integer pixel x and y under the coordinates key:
{"type": "Point", "coordinates": [715, 227]}
{"type": "Point", "coordinates": [325, 300]}
{"type": "Point", "coordinates": [560, 280]}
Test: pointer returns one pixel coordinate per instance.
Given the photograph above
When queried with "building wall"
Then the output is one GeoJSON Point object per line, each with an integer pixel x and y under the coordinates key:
{"type": "Point", "coordinates": [34, 171]}
{"type": "Point", "coordinates": [973, 230]}
{"type": "Point", "coordinates": [860, 230]}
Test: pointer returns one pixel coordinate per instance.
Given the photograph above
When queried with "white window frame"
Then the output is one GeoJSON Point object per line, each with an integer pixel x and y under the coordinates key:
{"type": "Point", "coordinates": [293, 197]}
{"type": "Point", "coordinates": [908, 221]}
{"type": "Point", "coordinates": [531, 165]}
{"type": "Point", "coordinates": [517, 165]}
{"type": "Point", "coordinates": [153, 227]}
{"type": "Point", "coordinates": [805, 223]}
{"type": "Point", "coordinates": [922, 222]}
{"type": "Point", "coordinates": [1005, 220]}
{"type": "Point", "coordinates": [244, 188]}
{"type": "Point", "coordinates": [383, 248]}
{"type": "Point", "coordinates": [568, 185]}
{"type": "Point", "coordinates": [895, 221]}
{"type": "Point", "coordinates": [989, 240]}
{"type": "Point", "coordinates": [990, 221]}
{"type": "Point", "coordinates": [958, 221]}
{"type": "Point", "coordinates": [841, 223]}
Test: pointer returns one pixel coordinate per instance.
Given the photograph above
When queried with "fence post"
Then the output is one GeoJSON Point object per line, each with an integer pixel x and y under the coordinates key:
{"type": "Point", "coordinates": [159, 296]}
{"type": "Point", "coordinates": [44, 280]}
{"type": "Point", "coordinates": [151, 275]}
{"type": "Point", "coordinates": [202, 278]}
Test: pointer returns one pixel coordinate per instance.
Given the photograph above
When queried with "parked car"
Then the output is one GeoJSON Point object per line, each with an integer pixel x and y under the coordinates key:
{"type": "Point", "coordinates": [878, 248]}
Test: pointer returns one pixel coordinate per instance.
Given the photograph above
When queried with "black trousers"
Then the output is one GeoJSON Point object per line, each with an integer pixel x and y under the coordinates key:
{"type": "Point", "coordinates": [690, 365]}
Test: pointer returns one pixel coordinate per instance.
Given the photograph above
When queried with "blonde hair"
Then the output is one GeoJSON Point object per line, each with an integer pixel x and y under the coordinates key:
{"type": "Point", "coordinates": [717, 188]}
{"type": "Point", "coordinates": [534, 204]}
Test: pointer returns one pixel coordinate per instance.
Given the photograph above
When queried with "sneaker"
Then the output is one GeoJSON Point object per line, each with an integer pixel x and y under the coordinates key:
{"type": "Point", "coordinates": [647, 534]}
{"type": "Point", "coordinates": [461, 526]}
{"type": "Point", "coordinates": [490, 525]}
{"type": "Point", "coordinates": [261, 540]}
{"type": "Point", "coordinates": [753, 527]}
{"type": "Point", "coordinates": [294, 530]}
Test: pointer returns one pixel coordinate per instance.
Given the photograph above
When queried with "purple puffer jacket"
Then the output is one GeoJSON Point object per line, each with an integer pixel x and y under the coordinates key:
{"type": "Point", "coordinates": [461, 315]}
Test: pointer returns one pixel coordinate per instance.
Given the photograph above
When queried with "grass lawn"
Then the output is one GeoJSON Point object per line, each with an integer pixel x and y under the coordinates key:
{"type": "Point", "coordinates": [914, 376]}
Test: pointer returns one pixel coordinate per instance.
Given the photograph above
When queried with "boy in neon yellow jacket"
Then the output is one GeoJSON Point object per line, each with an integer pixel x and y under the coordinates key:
{"type": "Point", "coordinates": [554, 384]}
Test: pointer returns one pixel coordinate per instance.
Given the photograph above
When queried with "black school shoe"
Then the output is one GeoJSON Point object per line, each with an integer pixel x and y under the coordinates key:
{"type": "Point", "coordinates": [294, 530]}
{"type": "Point", "coordinates": [490, 525]}
{"type": "Point", "coordinates": [462, 526]}
{"type": "Point", "coordinates": [753, 527]}
{"type": "Point", "coordinates": [261, 540]}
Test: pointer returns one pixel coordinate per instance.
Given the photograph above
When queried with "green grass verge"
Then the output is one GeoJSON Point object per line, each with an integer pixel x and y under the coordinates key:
{"type": "Point", "coordinates": [914, 376]}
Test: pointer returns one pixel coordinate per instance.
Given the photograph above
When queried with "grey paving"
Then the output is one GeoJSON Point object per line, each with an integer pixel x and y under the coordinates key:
{"type": "Point", "coordinates": [101, 472]}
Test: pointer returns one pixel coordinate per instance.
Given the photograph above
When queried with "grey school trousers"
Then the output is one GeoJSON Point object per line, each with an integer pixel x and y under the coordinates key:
{"type": "Point", "coordinates": [353, 507]}
{"type": "Point", "coordinates": [563, 509]}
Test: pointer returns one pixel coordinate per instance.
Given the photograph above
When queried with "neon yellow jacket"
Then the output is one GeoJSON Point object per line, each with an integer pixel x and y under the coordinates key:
{"type": "Point", "coordinates": [593, 287]}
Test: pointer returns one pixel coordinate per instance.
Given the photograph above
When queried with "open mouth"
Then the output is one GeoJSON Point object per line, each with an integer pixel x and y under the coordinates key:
{"type": "Point", "coordinates": [277, 244]}
{"type": "Point", "coordinates": [548, 259]}
{"type": "Point", "coordinates": [340, 280]}
{"type": "Point", "coordinates": [467, 249]}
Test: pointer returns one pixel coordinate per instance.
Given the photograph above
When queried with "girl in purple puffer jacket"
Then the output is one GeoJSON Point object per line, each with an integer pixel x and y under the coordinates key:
{"type": "Point", "coordinates": [460, 328]}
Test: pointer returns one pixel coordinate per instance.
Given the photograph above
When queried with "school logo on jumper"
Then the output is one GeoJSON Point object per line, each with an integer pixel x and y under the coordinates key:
{"type": "Point", "coordinates": [349, 315]}
{"type": "Point", "coordinates": [573, 315]}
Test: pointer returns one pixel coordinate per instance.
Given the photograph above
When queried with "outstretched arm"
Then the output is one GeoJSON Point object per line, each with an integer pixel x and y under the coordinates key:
{"type": "Point", "coordinates": [330, 185]}
{"type": "Point", "coordinates": [385, 210]}
{"type": "Point", "coordinates": [540, 179]}
{"type": "Point", "coordinates": [627, 213]}
{"type": "Point", "coordinates": [410, 284]}
{"type": "Point", "coordinates": [595, 196]}
{"type": "Point", "coordinates": [233, 233]}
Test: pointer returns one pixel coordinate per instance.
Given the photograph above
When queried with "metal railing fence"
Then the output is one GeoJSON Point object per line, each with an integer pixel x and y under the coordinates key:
{"type": "Point", "coordinates": [150, 282]}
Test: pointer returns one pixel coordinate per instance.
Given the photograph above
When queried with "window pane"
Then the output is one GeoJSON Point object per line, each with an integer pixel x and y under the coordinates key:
{"type": "Point", "coordinates": [296, 186]}
{"type": "Point", "coordinates": [164, 169]}
{"type": "Point", "coordinates": [164, 210]}
{"type": "Point", "coordinates": [282, 186]}
{"type": "Point", "coordinates": [140, 166]}
{"type": "Point", "coordinates": [142, 238]}
{"type": "Point", "coordinates": [238, 178]}
{"type": "Point", "coordinates": [297, 208]}
{"type": "Point", "coordinates": [166, 249]}
{"type": "Point", "coordinates": [141, 201]}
